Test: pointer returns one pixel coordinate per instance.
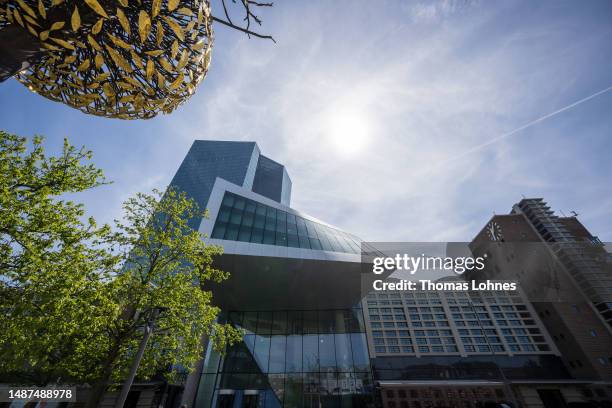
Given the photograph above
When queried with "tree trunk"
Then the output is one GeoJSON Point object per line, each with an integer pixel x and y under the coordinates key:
{"type": "Point", "coordinates": [99, 387]}
{"type": "Point", "coordinates": [18, 50]}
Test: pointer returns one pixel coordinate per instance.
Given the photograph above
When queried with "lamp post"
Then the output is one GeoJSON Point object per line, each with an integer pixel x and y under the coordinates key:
{"type": "Point", "coordinates": [125, 389]}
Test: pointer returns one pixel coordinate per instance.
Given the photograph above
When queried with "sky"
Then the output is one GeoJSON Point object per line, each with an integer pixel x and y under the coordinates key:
{"type": "Point", "coordinates": [396, 120]}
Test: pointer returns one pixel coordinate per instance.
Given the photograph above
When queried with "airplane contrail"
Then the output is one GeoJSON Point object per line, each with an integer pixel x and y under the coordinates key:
{"type": "Point", "coordinates": [527, 125]}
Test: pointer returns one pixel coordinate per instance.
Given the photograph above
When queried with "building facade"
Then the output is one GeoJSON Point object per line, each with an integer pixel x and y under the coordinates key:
{"type": "Point", "coordinates": [294, 289]}
{"type": "Point", "coordinates": [567, 278]}
{"type": "Point", "coordinates": [313, 338]}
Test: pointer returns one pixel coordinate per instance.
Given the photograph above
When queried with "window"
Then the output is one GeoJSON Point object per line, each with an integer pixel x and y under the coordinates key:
{"type": "Point", "coordinates": [242, 219]}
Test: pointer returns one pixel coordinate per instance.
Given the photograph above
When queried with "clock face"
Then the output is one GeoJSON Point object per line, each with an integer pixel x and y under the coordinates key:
{"type": "Point", "coordinates": [494, 231]}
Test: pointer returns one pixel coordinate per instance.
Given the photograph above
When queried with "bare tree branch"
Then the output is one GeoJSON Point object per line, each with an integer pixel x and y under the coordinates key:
{"type": "Point", "coordinates": [248, 15]}
{"type": "Point", "coordinates": [244, 30]}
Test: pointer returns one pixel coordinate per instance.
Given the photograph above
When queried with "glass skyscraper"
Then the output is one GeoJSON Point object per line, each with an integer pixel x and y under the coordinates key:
{"type": "Point", "coordinates": [304, 344]}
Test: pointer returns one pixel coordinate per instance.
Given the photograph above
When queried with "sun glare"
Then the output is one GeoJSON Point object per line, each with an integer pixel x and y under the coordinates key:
{"type": "Point", "coordinates": [348, 132]}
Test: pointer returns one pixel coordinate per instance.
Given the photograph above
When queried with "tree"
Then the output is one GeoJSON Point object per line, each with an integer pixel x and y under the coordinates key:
{"type": "Point", "coordinates": [164, 264]}
{"type": "Point", "coordinates": [126, 59]}
{"type": "Point", "coordinates": [49, 268]}
{"type": "Point", "coordinates": [75, 297]}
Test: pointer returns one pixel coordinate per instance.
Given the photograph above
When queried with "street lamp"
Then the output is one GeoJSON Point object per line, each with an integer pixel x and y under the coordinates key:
{"type": "Point", "coordinates": [125, 389]}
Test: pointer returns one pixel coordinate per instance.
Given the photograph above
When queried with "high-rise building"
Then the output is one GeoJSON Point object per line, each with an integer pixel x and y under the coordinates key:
{"type": "Point", "coordinates": [294, 289]}
{"type": "Point", "coordinates": [566, 274]}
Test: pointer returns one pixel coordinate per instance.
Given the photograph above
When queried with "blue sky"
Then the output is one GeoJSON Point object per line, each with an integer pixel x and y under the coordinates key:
{"type": "Point", "coordinates": [387, 114]}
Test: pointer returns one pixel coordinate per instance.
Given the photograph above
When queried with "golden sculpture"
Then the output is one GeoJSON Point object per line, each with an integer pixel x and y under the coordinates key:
{"type": "Point", "coordinates": [128, 59]}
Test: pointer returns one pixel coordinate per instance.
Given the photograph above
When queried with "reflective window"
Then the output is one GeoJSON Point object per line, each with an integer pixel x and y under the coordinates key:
{"type": "Point", "coordinates": [242, 219]}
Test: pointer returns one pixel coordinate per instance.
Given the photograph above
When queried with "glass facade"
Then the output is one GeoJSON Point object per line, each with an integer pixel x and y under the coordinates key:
{"type": "Point", "coordinates": [271, 180]}
{"type": "Point", "coordinates": [291, 359]}
{"type": "Point", "coordinates": [242, 219]}
{"type": "Point", "coordinates": [206, 161]}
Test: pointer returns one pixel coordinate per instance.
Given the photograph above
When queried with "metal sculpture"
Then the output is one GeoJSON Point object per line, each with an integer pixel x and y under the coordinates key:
{"type": "Point", "coordinates": [127, 59]}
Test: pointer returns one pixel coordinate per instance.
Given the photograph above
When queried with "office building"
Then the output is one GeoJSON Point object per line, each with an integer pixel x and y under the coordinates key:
{"type": "Point", "coordinates": [566, 275]}
{"type": "Point", "coordinates": [294, 289]}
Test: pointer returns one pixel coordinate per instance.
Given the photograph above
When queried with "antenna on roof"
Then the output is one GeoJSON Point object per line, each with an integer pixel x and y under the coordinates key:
{"type": "Point", "coordinates": [574, 213]}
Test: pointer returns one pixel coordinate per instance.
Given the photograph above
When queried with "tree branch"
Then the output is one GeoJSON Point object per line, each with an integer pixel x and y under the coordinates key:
{"type": "Point", "coordinates": [244, 30]}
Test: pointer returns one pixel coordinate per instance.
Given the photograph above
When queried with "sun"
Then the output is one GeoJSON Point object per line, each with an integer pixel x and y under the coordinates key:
{"type": "Point", "coordinates": [347, 132]}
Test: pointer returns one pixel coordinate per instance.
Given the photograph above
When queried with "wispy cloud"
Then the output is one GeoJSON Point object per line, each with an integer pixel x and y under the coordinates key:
{"type": "Point", "coordinates": [430, 84]}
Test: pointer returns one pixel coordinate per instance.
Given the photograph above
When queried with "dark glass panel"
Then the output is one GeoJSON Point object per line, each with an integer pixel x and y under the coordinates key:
{"type": "Point", "coordinates": [224, 214]}
{"type": "Point", "coordinates": [219, 230]}
{"type": "Point", "coordinates": [359, 347]}
{"type": "Point", "coordinates": [257, 235]}
{"type": "Point", "coordinates": [347, 384]}
{"type": "Point", "coordinates": [236, 217]}
{"type": "Point", "coordinates": [248, 219]}
{"type": "Point", "coordinates": [249, 322]}
{"type": "Point", "coordinates": [325, 245]}
{"type": "Point", "coordinates": [239, 358]}
{"type": "Point", "coordinates": [270, 224]}
{"type": "Point", "coordinates": [269, 237]}
{"type": "Point", "coordinates": [343, 352]}
{"type": "Point", "coordinates": [311, 322]}
{"type": "Point", "coordinates": [231, 233]}
{"type": "Point", "coordinates": [330, 393]}
{"type": "Point", "coordinates": [291, 229]}
{"type": "Point", "coordinates": [315, 244]}
{"type": "Point", "coordinates": [312, 389]}
{"type": "Point", "coordinates": [228, 200]}
{"type": "Point", "coordinates": [304, 242]}
{"type": "Point", "coordinates": [295, 322]}
{"type": "Point", "coordinates": [327, 352]}
{"type": "Point", "coordinates": [264, 322]}
{"type": "Point", "coordinates": [262, 352]}
{"type": "Point", "coordinates": [239, 203]}
{"type": "Point", "coordinates": [244, 234]}
{"type": "Point", "coordinates": [327, 321]}
{"type": "Point", "coordinates": [281, 216]}
{"type": "Point", "coordinates": [271, 212]}
{"type": "Point", "coordinates": [311, 229]}
{"type": "Point", "coordinates": [281, 226]}
{"type": "Point", "coordinates": [334, 243]}
{"type": "Point", "coordinates": [275, 396]}
{"type": "Point", "coordinates": [241, 381]}
{"type": "Point", "coordinates": [277, 354]}
{"type": "Point", "coordinates": [261, 210]}
{"type": "Point", "coordinates": [279, 322]}
{"type": "Point", "coordinates": [206, 388]}
{"type": "Point", "coordinates": [291, 218]}
{"type": "Point", "coordinates": [294, 391]}
{"type": "Point", "coordinates": [310, 355]}
{"type": "Point", "coordinates": [292, 241]}
{"type": "Point", "coordinates": [250, 206]}
{"type": "Point", "coordinates": [294, 354]}
{"type": "Point", "coordinates": [301, 225]}
{"type": "Point", "coordinates": [281, 239]}
{"type": "Point", "coordinates": [260, 221]}
{"type": "Point", "coordinates": [355, 323]}
{"type": "Point", "coordinates": [344, 247]}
